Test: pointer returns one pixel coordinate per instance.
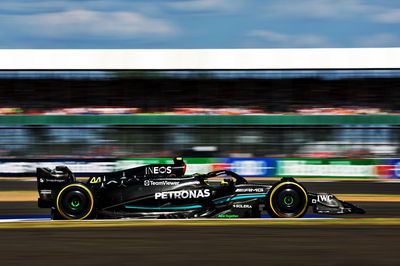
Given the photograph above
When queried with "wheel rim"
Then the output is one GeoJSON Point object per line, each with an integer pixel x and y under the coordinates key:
{"type": "Point", "coordinates": [75, 203]}
{"type": "Point", "coordinates": [288, 200]}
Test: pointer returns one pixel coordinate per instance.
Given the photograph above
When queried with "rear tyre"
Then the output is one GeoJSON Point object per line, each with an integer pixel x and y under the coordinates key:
{"type": "Point", "coordinates": [287, 200]}
{"type": "Point", "coordinates": [75, 202]}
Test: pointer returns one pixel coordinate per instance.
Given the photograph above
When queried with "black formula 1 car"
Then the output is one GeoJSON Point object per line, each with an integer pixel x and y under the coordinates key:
{"type": "Point", "coordinates": [163, 191]}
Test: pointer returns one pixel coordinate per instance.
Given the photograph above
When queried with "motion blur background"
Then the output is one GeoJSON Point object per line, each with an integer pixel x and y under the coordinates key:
{"type": "Point", "coordinates": [199, 24]}
{"type": "Point", "coordinates": [296, 94]}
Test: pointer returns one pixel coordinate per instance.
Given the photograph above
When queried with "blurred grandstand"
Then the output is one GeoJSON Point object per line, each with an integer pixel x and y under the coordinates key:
{"type": "Point", "coordinates": [200, 92]}
{"type": "Point", "coordinates": [340, 92]}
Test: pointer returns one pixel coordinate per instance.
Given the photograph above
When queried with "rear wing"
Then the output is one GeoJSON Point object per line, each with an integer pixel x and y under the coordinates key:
{"type": "Point", "coordinates": [50, 182]}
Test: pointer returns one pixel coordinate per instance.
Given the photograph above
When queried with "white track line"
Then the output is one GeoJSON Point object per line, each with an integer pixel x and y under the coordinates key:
{"type": "Point", "coordinates": [162, 220]}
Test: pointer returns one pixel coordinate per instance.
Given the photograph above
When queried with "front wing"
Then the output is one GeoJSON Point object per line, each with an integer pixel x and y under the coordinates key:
{"type": "Point", "coordinates": [324, 203]}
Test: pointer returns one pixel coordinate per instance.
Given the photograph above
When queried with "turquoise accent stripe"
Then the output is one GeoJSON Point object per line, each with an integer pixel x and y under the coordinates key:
{"type": "Point", "coordinates": [222, 200]}
{"type": "Point", "coordinates": [238, 197]}
{"type": "Point", "coordinates": [248, 196]}
{"type": "Point", "coordinates": [165, 208]}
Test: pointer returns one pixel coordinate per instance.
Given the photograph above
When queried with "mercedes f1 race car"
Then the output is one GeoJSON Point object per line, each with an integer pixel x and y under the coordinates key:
{"type": "Point", "coordinates": [163, 191]}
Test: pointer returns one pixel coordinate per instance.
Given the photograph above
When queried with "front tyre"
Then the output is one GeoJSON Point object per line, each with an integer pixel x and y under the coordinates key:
{"type": "Point", "coordinates": [75, 202]}
{"type": "Point", "coordinates": [287, 200]}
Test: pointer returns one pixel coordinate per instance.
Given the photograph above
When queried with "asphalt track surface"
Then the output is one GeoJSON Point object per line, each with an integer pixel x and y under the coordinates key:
{"type": "Point", "coordinates": [294, 243]}
{"type": "Point", "coordinates": [200, 245]}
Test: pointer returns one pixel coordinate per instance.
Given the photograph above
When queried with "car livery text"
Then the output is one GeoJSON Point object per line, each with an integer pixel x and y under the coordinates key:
{"type": "Point", "coordinates": [158, 170]}
{"type": "Point", "coordinates": [183, 194]}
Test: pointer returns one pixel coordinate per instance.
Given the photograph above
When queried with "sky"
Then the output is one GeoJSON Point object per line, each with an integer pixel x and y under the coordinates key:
{"type": "Point", "coordinates": [198, 24]}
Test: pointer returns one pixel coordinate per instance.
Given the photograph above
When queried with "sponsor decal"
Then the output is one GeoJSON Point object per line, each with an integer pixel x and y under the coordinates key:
{"type": "Point", "coordinates": [160, 183]}
{"type": "Point", "coordinates": [389, 168]}
{"type": "Point", "coordinates": [75, 165]}
{"type": "Point", "coordinates": [242, 206]}
{"type": "Point", "coordinates": [228, 216]}
{"type": "Point", "coordinates": [324, 197]}
{"type": "Point", "coordinates": [252, 167]}
{"type": "Point", "coordinates": [56, 180]}
{"type": "Point", "coordinates": [95, 180]}
{"type": "Point", "coordinates": [183, 194]}
{"type": "Point", "coordinates": [155, 170]}
{"type": "Point", "coordinates": [194, 165]}
{"type": "Point", "coordinates": [397, 169]}
{"type": "Point", "coordinates": [249, 190]}
{"type": "Point", "coordinates": [345, 168]}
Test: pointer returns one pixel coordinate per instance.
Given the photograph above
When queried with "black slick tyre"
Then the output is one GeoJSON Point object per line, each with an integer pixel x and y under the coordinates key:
{"type": "Point", "coordinates": [75, 202]}
{"type": "Point", "coordinates": [287, 200]}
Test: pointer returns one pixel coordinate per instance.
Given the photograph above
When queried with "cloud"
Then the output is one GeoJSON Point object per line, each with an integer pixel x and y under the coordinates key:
{"type": "Point", "coordinates": [206, 5]}
{"type": "Point", "coordinates": [197, 23]}
{"type": "Point", "coordinates": [274, 39]}
{"type": "Point", "coordinates": [378, 40]}
{"type": "Point", "coordinates": [85, 23]}
{"type": "Point", "coordinates": [270, 36]}
{"type": "Point", "coordinates": [336, 9]}
{"type": "Point", "coordinates": [389, 16]}
{"type": "Point", "coordinates": [41, 6]}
